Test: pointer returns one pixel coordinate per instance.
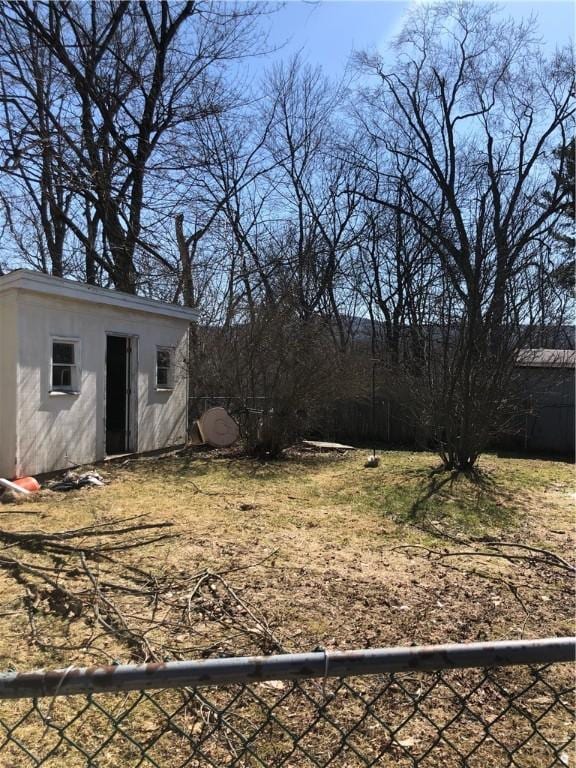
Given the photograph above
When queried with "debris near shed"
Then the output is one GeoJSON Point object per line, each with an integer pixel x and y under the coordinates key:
{"type": "Point", "coordinates": [322, 445]}
{"type": "Point", "coordinates": [16, 491]}
{"type": "Point", "coordinates": [29, 484]}
{"type": "Point", "coordinates": [73, 481]}
{"type": "Point", "coordinates": [15, 486]}
{"type": "Point", "coordinates": [29, 489]}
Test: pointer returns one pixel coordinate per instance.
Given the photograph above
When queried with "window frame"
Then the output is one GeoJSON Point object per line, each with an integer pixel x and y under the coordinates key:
{"type": "Point", "coordinates": [75, 375]}
{"type": "Point", "coordinates": [169, 386]}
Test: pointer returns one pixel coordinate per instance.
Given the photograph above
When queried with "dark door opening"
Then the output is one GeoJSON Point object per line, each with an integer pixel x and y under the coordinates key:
{"type": "Point", "coordinates": [117, 394]}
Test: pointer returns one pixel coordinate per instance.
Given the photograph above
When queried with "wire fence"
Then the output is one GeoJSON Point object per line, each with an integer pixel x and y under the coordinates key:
{"type": "Point", "coordinates": [482, 704]}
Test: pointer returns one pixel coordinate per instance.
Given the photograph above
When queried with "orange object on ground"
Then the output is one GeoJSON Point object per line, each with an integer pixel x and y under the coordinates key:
{"type": "Point", "coordinates": [28, 483]}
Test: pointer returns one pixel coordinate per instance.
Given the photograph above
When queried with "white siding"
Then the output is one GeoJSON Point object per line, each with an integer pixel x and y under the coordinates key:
{"type": "Point", "coordinates": [8, 386]}
{"type": "Point", "coordinates": [58, 431]}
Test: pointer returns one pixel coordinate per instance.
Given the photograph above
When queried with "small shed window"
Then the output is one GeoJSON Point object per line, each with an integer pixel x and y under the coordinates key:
{"type": "Point", "coordinates": [164, 368]}
{"type": "Point", "coordinates": [65, 365]}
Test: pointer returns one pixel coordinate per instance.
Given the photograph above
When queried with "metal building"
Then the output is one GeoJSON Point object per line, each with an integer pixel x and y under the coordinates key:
{"type": "Point", "coordinates": [546, 377]}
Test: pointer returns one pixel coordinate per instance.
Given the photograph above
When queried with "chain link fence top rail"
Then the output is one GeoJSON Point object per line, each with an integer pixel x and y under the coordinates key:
{"type": "Point", "coordinates": [479, 704]}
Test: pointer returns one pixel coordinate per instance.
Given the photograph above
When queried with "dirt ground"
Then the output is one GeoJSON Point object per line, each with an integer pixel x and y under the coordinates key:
{"type": "Point", "coordinates": [325, 552]}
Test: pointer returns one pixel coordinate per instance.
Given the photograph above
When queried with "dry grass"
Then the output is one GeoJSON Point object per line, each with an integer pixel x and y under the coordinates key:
{"type": "Point", "coordinates": [337, 577]}
{"type": "Point", "coordinates": [330, 553]}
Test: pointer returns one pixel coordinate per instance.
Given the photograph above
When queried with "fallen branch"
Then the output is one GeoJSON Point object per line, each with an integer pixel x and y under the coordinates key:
{"type": "Point", "coordinates": [43, 536]}
{"type": "Point", "coordinates": [546, 552]}
{"type": "Point", "coordinates": [550, 559]}
{"type": "Point", "coordinates": [115, 622]}
{"type": "Point", "coordinates": [554, 563]}
{"type": "Point", "coordinates": [85, 574]}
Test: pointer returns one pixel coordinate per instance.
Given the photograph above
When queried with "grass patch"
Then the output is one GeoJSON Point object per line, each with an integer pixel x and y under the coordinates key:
{"type": "Point", "coordinates": [332, 554]}
{"type": "Point", "coordinates": [410, 488]}
{"type": "Point", "coordinates": [339, 532]}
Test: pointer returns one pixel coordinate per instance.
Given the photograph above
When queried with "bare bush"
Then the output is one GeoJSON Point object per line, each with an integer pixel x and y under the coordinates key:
{"type": "Point", "coordinates": [284, 370]}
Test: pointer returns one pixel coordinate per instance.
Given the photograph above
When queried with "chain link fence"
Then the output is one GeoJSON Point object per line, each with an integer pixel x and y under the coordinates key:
{"type": "Point", "coordinates": [484, 704]}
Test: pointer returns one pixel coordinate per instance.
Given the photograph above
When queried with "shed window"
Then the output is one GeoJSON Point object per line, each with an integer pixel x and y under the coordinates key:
{"type": "Point", "coordinates": [65, 365]}
{"type": "Point", "coordinates": [164, 368]}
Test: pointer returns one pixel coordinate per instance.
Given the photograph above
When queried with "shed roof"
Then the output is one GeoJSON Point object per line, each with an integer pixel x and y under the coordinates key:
{"type": "Point", "coordinates": [546, 358]}
{"type": "Point", "coordinates": [38, 282]}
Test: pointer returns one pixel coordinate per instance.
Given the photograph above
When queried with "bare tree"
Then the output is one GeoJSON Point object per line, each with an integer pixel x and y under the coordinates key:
{"type": "Point", "coordinates": [39, 198]}
{"type": "Point", "coordinates": [134, 74]}
{"type": "Point", "coordinates": [563, 235]}
{"type": "Point", "coordinates": [470, 111]}
{"type": "Point", "coordinates": [316, 187]}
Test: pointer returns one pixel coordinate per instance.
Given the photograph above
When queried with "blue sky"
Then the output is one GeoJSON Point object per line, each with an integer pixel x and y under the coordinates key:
{"type": "Point", "coordinates": [326, 32]}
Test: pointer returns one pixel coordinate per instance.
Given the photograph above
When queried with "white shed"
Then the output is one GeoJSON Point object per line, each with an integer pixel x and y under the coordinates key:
{"type": "Point", "coordinates": [86, 372]}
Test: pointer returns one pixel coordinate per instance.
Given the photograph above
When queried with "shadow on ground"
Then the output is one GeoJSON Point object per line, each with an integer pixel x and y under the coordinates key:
{"type": "Point", "coordinates": [472, 498]}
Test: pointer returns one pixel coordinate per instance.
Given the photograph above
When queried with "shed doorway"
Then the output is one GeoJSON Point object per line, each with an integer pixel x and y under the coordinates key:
{"type": "Point", "coordinates": [118, 395]}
